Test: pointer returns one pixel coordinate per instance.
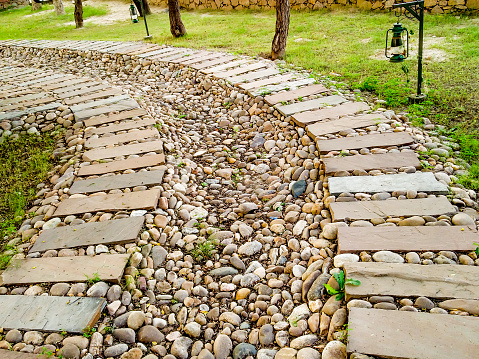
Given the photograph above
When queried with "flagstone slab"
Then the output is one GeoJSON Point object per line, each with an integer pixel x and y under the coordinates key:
{"type": "Point", "coordinates": [16, 73]}
{"type": "Point", "coordinates": [33, 96]}
{"type": "Point", "coordinates": [84, 90]}
{"type": "Point", "coordinates": [143, 178]}
{"type": "Point", "coordinates": [93, 96]}
{"type": "Point", "coordinates": [412, 335]}
{"type": "Point", "coordinates": [119, 106]}
{"type": "Point", "coordinates": [273, 80]}
{"type": "Point", "coordinates": [19, 113]}
{"type": "Point", "coordinates": [115, 166]}
{"type": "Point", "coordinates": [371, 162]}
{"type": "Point", "coordinates": [177, 56]}
{"type": "Point", "coordinates": [97, 103]}
{"type": "Point", "coordinates": [70, 85]}
{"type": "Point", "coordinates": [174, 52]}
{"type": "Point", "coordinates": [107, 267]}
{"type": "Point", "coordinates": [391, 208]}
{"type": "Point", "coordinates": [240, 70]}
{"type": "Point", "coordinates": [225, 66]}
{"type": "Point", "coordinates": [254, 75]}
{"type": "Point", "coordinates": [412, 280]}
{"type": "Point", "coordinates": [366, 141]}
{"type": "Point", "coordinates": [419, 181]}
{"type": "Point", "coordinates": [42, 80]}
{"type": "Point", "coordinates": [54, 81]}
{"type": "Point", "coordinates": [213, 62]}
{"type": "Point", "coordinates": [8, 354]}
{"type": "Point", "coordinates": [125, 150]}
{"type": "Point", "coordinates": [144, 122]}
{"type": "Point", "coordinates": [29, 103]}
{"type": "Point", "coordinates": [325, 127]}
{"type": "Point", "coordinates": [49, 314]}
{"type": "Point", "coordinates": [289, 85]}
{"type": "Point", "coordinates": [295, 94]}
{"type": "Point", "coordinates": [116, 231]}
{"type": "Point", "coordinates": [111, 202]}
{"type": "Point", "coordinates": [199, 57]}
{"type": "Point", "coordinates": [103, 119]}
{"type": "Point", "coordinates": [297, 107]}
{"type": "Point", "coordinates": [123, 138]}
{"type": "Point", "coordinates": [407, 239]}
{"type": "Point", "coordinates": [156, 52]}
{"type": "Point", "coordinates": [349, 108]}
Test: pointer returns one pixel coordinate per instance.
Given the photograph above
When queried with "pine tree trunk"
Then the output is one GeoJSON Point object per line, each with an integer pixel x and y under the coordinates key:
{"type": "Point", "coordinates": [78, 14]}
{"type": "Point", "coordinates": [59, 9]}
{"type": "Point", "coordinates": [36, 5]}
{"type": "Point", "coordinates": [278, 47]}
{"type": "Point", "coordinates": [176, 26]}
{"type": "Point", "coordinates": [146, 7]}
{"type": "Point", "coordinates": [138, 7]}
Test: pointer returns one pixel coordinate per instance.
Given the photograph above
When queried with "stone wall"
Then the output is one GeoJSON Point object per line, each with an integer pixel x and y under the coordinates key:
{"type": "Point", "coordinates": [7, 4]}
{"type": "Point", "coordinates": [432, 6]}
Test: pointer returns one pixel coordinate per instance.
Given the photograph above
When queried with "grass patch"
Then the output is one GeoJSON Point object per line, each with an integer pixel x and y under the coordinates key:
{"type": "Point", "coordinates": [25, 162]}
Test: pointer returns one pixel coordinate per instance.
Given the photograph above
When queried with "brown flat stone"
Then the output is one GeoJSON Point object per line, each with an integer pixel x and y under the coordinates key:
{"type": "Point", "coordinates": [295, 94]}
{"type": "Point", "coordinates": [192, 59]}
{"type": "Point", "coordinates": [129, 125]}
{"type": "Point", "coordinates": [83, 91]}
{"type": "Point", "coordinates": [468, 305]}
{"type": "Point", "coordinates": [100, 120]}
{"type": "Point", "coordinates": [119, 106]}
{"type": "Point", "coordinates": [407, 239]}
{"type": "Point", "coordinates": [412, 280]}
{"type": "Point", "coordinates": [67, 85]}
{"type": "Point", "coordinates": [308, 105]}
{"type": "Point", "coordinates": [412, 335]}
{"type": "Point", "coordinates": [114, 166]}
{"type": "Point", "coordinates": [123, 138]}
{"type": "Point", "coordinates": [333, 126]}
{"type": "Point", "coordinates": [366, 141]}
{"type": "Point", "coordinates": [224, 67]}
{"type": "Point", "coordinates": [36, 102]}
{"type": "Point", "coordinates": [213, 62]}
{"type": "Point", "coordinates": [111, 202]}
{"type": "Point", "coordinates": [55, 81]}
{"type": "Point", "coordinates": [116, 231]}
{"type": "Point", "coordinates": [239, 70]}
{"type": "Point", "coordinates": [349, 108]}
{"type": "Point", "coordinates": [93, 96]}
{"type": "Point", "coordinates": [371, 162]}
{"type": "Point", "coordinates": [125, 150]}
{"type": "Point", "coordinates": [108, 267]}
{"type": "Point", "coordinates": [107, 183]}
{"type": "Point", "coordinates": [265, 82]}
{"type": "Point", "coordinates": [8, 354]}
{"type": "Point", "coordinates": [254, 75]}
{"type": "Point", "coordinates": [49, 314]}
{"type": "Point", "coordinates": [391, 208]}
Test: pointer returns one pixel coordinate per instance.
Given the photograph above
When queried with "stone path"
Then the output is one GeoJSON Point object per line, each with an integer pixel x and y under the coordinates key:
{"type": "Point", "coordinates": [338, 188]}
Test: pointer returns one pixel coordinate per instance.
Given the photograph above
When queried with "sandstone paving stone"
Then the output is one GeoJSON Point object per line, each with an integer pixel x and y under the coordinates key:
{"type": "Point", "coordinates": [54, 81]}
{"type": "Point", "coordinates": [47, 313]}
{"type": "Point", "coordinates": [297, 107]}
{"type": "Point", "coordinates": [107, 183]}
{"type": "Point", "coordinates": [33, 96]}
{"type": "Point", "coordinates": [402, 334]}
{"type": "Point", "coordinates": [419, 181]}
{"type": "Point", "coordinates": [108, 267]}
{"type": "Point", "coordinates": [173, 55]}
{"type": "Point", "coordinates": [468, 305]}
{"type": "Point", "coordinates": [349, 108]}
{"type": "Point", "coordinates": [292, 84]}
{"type": "Point", "coordinates": [371, 162]}
{"type": "Point", "coordinates": [123, 230]}
{"type": "Point", "coordinates": [392, 208]}
{"type": "Point", "coordinates": [19, 113]}
{"type": "Point", "coordinates": [122, 138]}
{"type": "Point", "coordinates": [253, 75]}
{"type": "Point", "coordinates": [93, 96]}
{"type": "Point", "coordinates": [103, 119]}
{"type": "Point", "coordinates": [124, 201]}
{"type": "Point", "coordinates": [212, 62]}
{"type": "Point", "coordinates": [224, 66]}
{"type": "Point", "coordinates": [70, 85]}
{"type": "Point", "coordinates": [365, 141]}
{"type": "Point", "coordinates": [154, 52]}
{"type": "Point", "coordinates": [41, 80]}
{"type": "Point", "coordinates": [121, 105]}
{"type": "Point", "coordinates": [125, 150]}
{"type": "Point", "coordinates": [89, 105]}
{"type": "Point", "coordinates": [129, 125]}
{"type": "Point", "coordinates": [295, 94]}
{"type": "Point", "coordinates": [199, 58]}
{"type": "Point", "coordinates": [114, 166]}
{"type": "Point", "coordinates": [21, 105]}
{"type": "Point", "coordinates": [406, 239]}
{"type": "Point", "coordinates": [273, 80]}
{"type": "Point", "coordinates": [404, 280]}
{"type": "Point", "coordinates": [240, 70]}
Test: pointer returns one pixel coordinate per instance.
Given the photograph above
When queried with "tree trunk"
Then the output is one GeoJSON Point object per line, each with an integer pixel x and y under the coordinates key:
{"type": "Point", "coordinates": [176, 26]}
{"type": "Point", "coordinates": [36, 5]}
{"type": "Point", "coordinates": [138, 7]}
{"type": "Point", "coordinates": [78, 14]}
{"type": "Point", "coordinates": [278, 47]}
{"type": "Point", "coordinates": [146, 7]}
{"type": "Point", "coordinates": [59, 9]}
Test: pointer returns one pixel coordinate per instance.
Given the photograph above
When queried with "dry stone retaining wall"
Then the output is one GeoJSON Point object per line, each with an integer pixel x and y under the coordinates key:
{"type": "Point", "coordinates": [6, 4]}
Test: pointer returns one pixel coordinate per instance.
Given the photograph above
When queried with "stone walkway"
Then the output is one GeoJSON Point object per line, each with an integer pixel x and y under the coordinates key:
{"type": "Point", "coordinates": [166, 150]}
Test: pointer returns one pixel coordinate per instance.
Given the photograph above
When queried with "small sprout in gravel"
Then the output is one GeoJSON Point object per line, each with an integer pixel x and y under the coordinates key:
{"type": "Point", "coordinates": [341, 282]}
{"type": "Point", "coordinates": [88, 332]}
{"type": "Point", "coordinates": [93, 279]}
{"type": "Point", "coordinates": [203, 250]}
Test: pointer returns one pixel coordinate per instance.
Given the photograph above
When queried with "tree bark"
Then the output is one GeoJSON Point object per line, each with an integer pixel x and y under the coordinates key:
{"type": "Point", "coordinates": [138, 7]}
{"type": "Point", "coordinates": [36, 5]}
{"type": "Point", "coordinates": [78, 14]}
{"type": "Point", "coordinates": [59, 9]}
{"type": "Point", "coordinates": [278, 47]}
{"type": "Point", "coordinates": [176, 25]}
{"type": "Point", "coordinates": [146, 7]}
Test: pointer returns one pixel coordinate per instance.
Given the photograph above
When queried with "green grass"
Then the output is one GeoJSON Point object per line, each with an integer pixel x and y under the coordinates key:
{"type": "Point", "coordinates": [25, 163]}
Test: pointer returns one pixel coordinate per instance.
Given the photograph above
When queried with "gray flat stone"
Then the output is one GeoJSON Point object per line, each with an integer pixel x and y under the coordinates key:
{"type": "Point", "coordinates": [122, 138]}
{"type": "Point", "coordinates": [114, 166]}
{"type": "Point", "coordinates": [84, 106]}
{"type": "Point", "coordinates": [295, 94]}
{"type": "Point", "coordinates": [33, 96]}
{"type": "Point", "coordinates": [407, 239]}
{"type": "Point", "coordinates": [419, 181]}
{"type": "Point", "coordinates": [349, 108]}
{"type": "Point", "coordinates": [365, 141]}
{"type": "Point", "coordinates": [144, 178]}
{"type": "Point", "coordinates": [107, 267]}
{"type": "Point", "coordinates": [49, 314]}
{"type": "Point", "coordinates": [371, 162]}
{"type": "Point", "coordinates": [288, 110]}
{"type": "Point", "coordinates": [20, 113]}
{"type": "Point", "coordinates": [391, 208]}
{"type": "Point", "coordinates": [125, 150]}
{"type": "Point", "coordinates": [129, 125]}
{"type": "Point", "coordinates": [124, 201]}
{"type": "Point", "coordinates": [402, 334]}
{"type": "Point", "coordinates": [117, 231]}
{"type": "Point", "coordinates": [119, 106]}
{"type": "Point", "coordinates": [26, 104]}
{"type": "Point", "coordinates": [103, 119]}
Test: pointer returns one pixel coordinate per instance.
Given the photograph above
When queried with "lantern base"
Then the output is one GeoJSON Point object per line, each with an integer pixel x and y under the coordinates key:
{"type": "Point", "coordinates": [149, 37]}
{"type": "Point", "coordinates": [417, 98]}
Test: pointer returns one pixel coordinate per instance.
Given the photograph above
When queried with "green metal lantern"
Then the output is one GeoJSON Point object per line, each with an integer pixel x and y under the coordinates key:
{"type": "Point", "coordinates": [399, 47]}
{"type": "Point", "coordinates": [133, 14]}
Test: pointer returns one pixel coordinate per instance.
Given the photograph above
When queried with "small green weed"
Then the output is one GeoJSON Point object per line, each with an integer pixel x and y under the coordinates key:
{"type": "Point", "coordinates": [203, 250]}
{"type": "Point", "coordinates": [88, 332]}
{"type": "Point", "coordinates": [95, 278]}
{"type": "Point", "coordinates": [342, 283]}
